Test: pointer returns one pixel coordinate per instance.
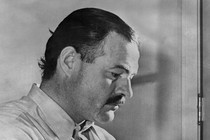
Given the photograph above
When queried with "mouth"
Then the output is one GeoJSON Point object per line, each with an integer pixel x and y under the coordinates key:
{"type": "Point", "coordinates": [116, 101]}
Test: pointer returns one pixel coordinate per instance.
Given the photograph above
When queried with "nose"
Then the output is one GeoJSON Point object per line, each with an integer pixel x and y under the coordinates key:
{"type": "Point", "coordinates": [123, 86]}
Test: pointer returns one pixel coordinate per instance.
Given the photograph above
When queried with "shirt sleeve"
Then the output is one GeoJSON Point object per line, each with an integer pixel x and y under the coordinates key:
{"type": "Point", "coordinates": [9, 132]}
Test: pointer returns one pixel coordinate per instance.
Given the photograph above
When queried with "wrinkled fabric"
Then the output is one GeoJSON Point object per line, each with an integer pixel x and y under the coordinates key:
{"type": "Point", "coordinates": [37, 117]}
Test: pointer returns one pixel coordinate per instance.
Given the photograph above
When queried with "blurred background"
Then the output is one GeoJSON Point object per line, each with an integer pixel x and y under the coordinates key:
{"type": "Point", "coordinates": [166, 79]}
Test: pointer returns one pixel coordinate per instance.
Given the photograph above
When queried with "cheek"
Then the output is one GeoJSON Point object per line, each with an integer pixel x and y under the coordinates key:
{"type": "Point", "coordinates": [99, 83]}
{"type": "Point", "coordinates": [99, 92]}
{"type": "Point", "coordinates": [97, 89]}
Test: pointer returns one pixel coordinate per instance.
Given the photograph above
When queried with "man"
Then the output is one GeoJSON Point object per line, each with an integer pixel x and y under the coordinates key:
{"type": "Point", "coordinates": [88, 65]}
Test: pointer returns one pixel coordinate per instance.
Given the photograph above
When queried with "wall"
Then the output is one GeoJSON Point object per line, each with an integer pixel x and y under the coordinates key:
{"type": "Point", "coordinates": [206, 67]}
{"type": "Point", "coordinates": [154, 113]}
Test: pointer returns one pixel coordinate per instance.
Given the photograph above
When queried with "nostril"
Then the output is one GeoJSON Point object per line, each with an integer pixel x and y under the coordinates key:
{"type": "Point", "coordinates": [123, 91]}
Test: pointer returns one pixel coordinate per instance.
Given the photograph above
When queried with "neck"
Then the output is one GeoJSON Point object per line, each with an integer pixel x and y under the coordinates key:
{"type": "Point", "coordinates": [52, 89]}
{"type": "Point", "coordinates": [56, 91]}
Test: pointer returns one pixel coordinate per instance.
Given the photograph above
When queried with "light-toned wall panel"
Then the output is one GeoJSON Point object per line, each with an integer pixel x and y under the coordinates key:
{"type": "Point", "coordinates": [190, 68]}
{"type": "Point", "coordinates": [206, 67]}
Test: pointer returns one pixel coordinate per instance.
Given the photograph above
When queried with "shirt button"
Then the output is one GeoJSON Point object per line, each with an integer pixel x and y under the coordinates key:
{"type": "Point", "coordinates": [77, 127]}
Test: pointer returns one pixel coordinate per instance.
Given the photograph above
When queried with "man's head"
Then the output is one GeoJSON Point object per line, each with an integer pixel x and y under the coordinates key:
{"type": "Point", "coordinates": [83, 29]}
{"type": "Point", "coordinates": [91, 56]}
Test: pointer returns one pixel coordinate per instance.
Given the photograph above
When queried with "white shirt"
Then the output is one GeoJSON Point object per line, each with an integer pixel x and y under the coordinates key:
{"type": "Point", "coordinates": [37, 117]}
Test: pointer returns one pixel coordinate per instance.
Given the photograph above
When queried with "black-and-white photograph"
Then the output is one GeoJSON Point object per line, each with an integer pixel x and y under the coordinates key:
{"type": "Point", "coordinates": [104, 70]}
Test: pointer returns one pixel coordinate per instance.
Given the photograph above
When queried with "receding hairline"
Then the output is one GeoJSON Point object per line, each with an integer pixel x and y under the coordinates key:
{"type": "Point", "coordinates": [135, 39]}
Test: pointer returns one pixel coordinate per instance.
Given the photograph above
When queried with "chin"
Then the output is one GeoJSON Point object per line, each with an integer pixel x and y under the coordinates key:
{"type": "Point", "coordinates": [105, 117]}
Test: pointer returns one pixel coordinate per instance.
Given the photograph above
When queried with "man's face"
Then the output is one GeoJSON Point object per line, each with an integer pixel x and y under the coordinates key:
{"type": "Point", "coordinates": [106, 83]}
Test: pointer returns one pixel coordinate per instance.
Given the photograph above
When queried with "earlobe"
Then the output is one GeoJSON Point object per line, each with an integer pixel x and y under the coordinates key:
{"type": "Point", "coordinates": [67, 59]}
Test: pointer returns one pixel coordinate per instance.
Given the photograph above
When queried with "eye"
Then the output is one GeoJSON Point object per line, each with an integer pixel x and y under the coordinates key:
{"type": "Point", "coordinates": [115, 75]}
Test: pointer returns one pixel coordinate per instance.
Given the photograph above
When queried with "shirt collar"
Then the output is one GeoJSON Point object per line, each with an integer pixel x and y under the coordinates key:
{"type": "Point", "coordinates": [83, 126]}
{"type": "Point", "coordinates": [58, 120]}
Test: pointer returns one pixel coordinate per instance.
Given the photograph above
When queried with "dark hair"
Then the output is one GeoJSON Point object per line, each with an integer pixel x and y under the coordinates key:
{"type": "Point", "coordinates": [83, 29]}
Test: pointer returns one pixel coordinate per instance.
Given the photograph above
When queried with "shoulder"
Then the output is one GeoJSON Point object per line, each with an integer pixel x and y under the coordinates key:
{"type": "Point", "coordinates": [14, 123]}
{"type": "Point", "coordinates": [13, 112]}
{"type": "Point", "coordinates": [10, 132]}
{"type": "Point", "coordinates": [103, 134]}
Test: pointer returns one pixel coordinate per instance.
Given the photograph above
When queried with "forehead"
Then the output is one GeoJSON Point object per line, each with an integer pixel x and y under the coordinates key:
{"type": "Point", "coordinates": [119, 51]}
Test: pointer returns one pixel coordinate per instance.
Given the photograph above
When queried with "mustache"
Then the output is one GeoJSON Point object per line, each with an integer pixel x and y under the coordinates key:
{"type": "Point", "coordinates": [114, 99]}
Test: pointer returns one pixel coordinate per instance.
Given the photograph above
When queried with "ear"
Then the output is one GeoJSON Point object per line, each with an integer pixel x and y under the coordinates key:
{"type": "Point", "coordinates": [67, 60]}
